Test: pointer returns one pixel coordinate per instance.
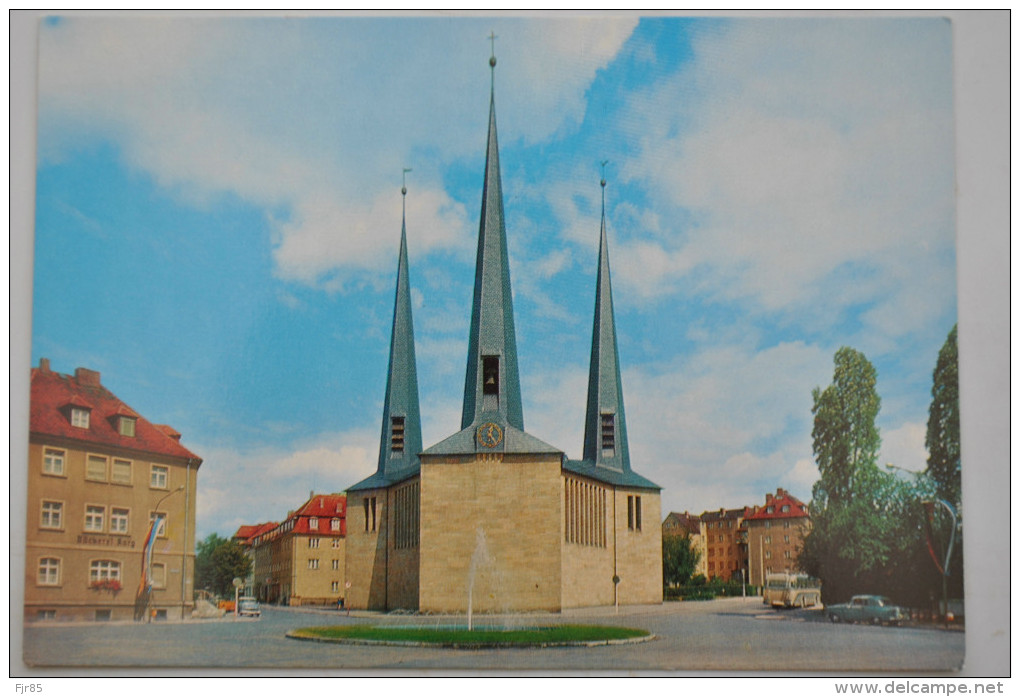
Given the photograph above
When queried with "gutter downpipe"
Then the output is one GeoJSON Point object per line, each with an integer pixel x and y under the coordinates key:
{"type": "Point", "coordinates": [184, 542]}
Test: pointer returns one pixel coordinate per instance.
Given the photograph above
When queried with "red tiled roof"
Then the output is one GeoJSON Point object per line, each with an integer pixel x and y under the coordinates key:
{"type": "Point", "coordinates": [53, 394]}
{"type": "Point", "coordinates": [796, 508]}
{"type": "Point", "coordinates": [324, 507]}
{"type": "Point", "coordinates": [246, 533]}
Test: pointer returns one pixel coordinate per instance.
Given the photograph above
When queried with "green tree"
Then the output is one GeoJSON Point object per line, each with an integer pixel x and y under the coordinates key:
{"type": "Point", "coordinates": [868, 525]}
{"type": "Point", "coordinates": [943, 443]}
{"type": "Point", "coordinates": [943, 437]}
{"type": "Point", "coordinates": [679, 560]}
{"type": "Point", "coordinates": [846, 439]}
{"type": "Point", "coordinates": [218, 562]}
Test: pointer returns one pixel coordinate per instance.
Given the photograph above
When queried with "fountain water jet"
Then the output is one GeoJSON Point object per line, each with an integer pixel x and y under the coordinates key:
{"type": "Point", "coordinates": [478, 557]}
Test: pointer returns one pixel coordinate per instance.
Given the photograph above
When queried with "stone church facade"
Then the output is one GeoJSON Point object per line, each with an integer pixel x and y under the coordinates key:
{"type": "Point", "coordinates": [492, 515]}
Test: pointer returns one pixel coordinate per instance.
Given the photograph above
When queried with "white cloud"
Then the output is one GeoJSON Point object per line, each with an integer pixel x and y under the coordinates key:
{"type": "Point", "coordinates": [904, 447]}
{"type": "Point", "coordinates": [729, 418]}
{"type": "Point", "coordinates": [811, 156]}
{"type": "Point", "coordinates": [313, 120]}
{"type": "Point", "coordinates": [236, 484]}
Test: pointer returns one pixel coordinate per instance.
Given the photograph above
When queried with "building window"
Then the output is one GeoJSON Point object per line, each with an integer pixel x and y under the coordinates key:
{"type": "Point", "coordinates": [334, 524]}
{"type": "Point", "coordinates": [313, 563]}
{"type": "Point", "coordinates": [95, 468]}
{"type": "Point", "coordinates": [313, 542]}
{"type": "Point", "coordinates": [94, 518]}
{"type": "Point", "coordinates": [634, 512]}
{"type": "Point", "coordinates": [608, 434]}
{"type": "Point", "coordinates": [46, 615]}
{"type": "Point", "coordinates": [768, 554]}
{"type": "Point", "coordinates": [770, 509]}
{"type": "Point", "coordinates": [787, 554]}
{"type": "Point", "coordinates": [53, 462]}
{"type": "Point", "coordinates": [786, 539]}
{"type": "Point", "coordinates": [768, 539]}
{"type": "Point", "coordinates": [120, 472]}
{"type": "Point", "coordinates": [785, 509]}
{"type": "Point", "coordinates": [119, 520]}
{"type": "Point", "coordinates": [786, 523]}
{"type": "Point", "coordinates": [79, 417]}
{"type": "Point", "coordinates": [336, 565]}
{"type": "Point", "coordinates": [397, 434]}
{"type": "Point", "coordinates": [370, 514]}
{"type": "Point", "coordinates": [49, 571]}
{"type": "Point", "coordinates": [52, 516]}
{"type": "Point", "coordinates": [159, 477]}
{"type": "Point", "coordinates": [158, 576]}
{"type": "Point", "coordinates": [161, 525]}
{"type": "Point", "coordinates": [126, 427]}
{"type": "Point", "coordinates": [104, 570]}
{"type": "Point", "coordinates": [313, 523]}
{"type": "Point", "coordinates": [768, 523]}
{"type": "Point", "coordinates": [334, 587]}
{"type": "Point", "coordinates": [336, 544]}
{"type": "Point", "coordinates": [711, 525]}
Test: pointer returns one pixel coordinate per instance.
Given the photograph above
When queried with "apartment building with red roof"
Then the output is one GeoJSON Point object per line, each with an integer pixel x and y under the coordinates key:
{"type": "Point", "coordinates": [775, 534]}
{"type": "Point", "coordinates": [99, 476]}
{"type": "Point", "coordinates": [300, 561]}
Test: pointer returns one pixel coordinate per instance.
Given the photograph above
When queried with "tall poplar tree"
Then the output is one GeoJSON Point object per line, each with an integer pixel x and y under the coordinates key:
{"type": "Point", "coordinates": [943, 437]}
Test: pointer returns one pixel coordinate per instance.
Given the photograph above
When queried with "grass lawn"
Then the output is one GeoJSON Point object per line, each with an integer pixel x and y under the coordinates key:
{"type": "Point", "coordinates": [460, 636]}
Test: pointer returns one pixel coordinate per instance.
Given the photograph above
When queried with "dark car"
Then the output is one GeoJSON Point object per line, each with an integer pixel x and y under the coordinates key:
{"type": "Point", "coordinates": [874, 609]}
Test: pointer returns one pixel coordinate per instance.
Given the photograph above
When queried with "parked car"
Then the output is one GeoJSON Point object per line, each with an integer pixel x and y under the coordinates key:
{"type": "Point", "coordinates": [248, 607]}
{"type": "Point", "coordinates": [875, 609]}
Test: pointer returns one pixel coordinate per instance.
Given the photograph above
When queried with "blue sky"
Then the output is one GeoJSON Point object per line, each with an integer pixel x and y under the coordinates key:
{"type": "Point", "coordinates": [218, 215]}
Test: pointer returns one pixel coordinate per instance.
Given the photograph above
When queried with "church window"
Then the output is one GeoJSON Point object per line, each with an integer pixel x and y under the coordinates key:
{"type": "Point", "coordinates": [585, 510]}
{"type": "Point", "coordinates": [634, 513]}
{"type": "Point", "coordinates": [406, 516]}
{"type": "Point", "coordinates": [397, 434]}
{"type": "Point", "coordinates": [490, 375]}
{"type": "Point", "coordinates": [370, 514]}
{"type": "Point", "coordinates": [608, 434]}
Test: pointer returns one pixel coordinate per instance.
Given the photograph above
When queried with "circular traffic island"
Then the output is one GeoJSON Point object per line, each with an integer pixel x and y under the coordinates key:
{"type": "Point", "coordinates": [479, 637]}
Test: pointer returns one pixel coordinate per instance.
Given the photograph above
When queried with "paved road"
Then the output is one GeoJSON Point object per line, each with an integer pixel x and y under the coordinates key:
{"type": "Point", "coordinates": [732, 634]}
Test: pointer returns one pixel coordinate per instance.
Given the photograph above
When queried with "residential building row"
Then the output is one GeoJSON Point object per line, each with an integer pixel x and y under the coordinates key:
{"type": "Point", "coordinates": [300, 561]}
{"type": "Point", "coordinates": [746, 543]}
{"type": "Point", "coordinates": [110, 530]}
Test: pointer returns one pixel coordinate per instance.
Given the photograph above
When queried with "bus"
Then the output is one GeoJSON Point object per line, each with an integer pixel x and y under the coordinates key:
{"type": "Point", "coordinates": [791, 590]}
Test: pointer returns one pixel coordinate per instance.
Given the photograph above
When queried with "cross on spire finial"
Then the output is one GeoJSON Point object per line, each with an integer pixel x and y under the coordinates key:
{"type": "Point", "coordinates": [403, 181]}
{"type": "Point", "coordinates": [492, 42]}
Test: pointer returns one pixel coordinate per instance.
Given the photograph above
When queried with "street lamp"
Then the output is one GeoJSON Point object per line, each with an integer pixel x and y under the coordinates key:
{"type": "Point", "coordinates": [145, 588]}
{"type": "Point", "coordinates": [929, 507]}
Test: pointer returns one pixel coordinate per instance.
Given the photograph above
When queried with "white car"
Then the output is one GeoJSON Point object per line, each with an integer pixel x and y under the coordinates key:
{"type": "Point", "coordinates": [248, 607]}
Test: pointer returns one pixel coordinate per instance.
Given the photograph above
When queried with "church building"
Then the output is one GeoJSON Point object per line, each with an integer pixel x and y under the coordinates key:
{"type": "Point", "coordinates": [491, 518]}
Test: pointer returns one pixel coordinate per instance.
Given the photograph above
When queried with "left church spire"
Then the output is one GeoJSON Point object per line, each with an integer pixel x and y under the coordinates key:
{"type": "Point", "coordinates": [400, 440]}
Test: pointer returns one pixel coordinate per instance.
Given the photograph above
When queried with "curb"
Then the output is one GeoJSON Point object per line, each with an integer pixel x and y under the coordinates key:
{"type": "Point", "coordinates": [454, 645]}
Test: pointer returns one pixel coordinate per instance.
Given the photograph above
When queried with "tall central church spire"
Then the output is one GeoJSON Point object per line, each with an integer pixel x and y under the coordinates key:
{"type": "Point", "coordinates": [492, 385]}
{"type": "Point", "coordinates": [605, 426]}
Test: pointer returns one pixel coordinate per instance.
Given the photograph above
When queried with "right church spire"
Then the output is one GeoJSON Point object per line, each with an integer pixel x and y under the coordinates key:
{"type": "Point", "coordinates": [605, 425]}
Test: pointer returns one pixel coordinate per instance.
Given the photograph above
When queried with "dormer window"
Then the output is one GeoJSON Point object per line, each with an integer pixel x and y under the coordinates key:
{"type": "Point", "coordinates": [334, 524]}
{"type": "Point", "coordinates": [785, 509]}
{"type": "Point", "coordinates": [126, 426]}
{"type": "Point", "coordinates": [313, 523]}
{"type": "Point", "coordinates": [79, 417]}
